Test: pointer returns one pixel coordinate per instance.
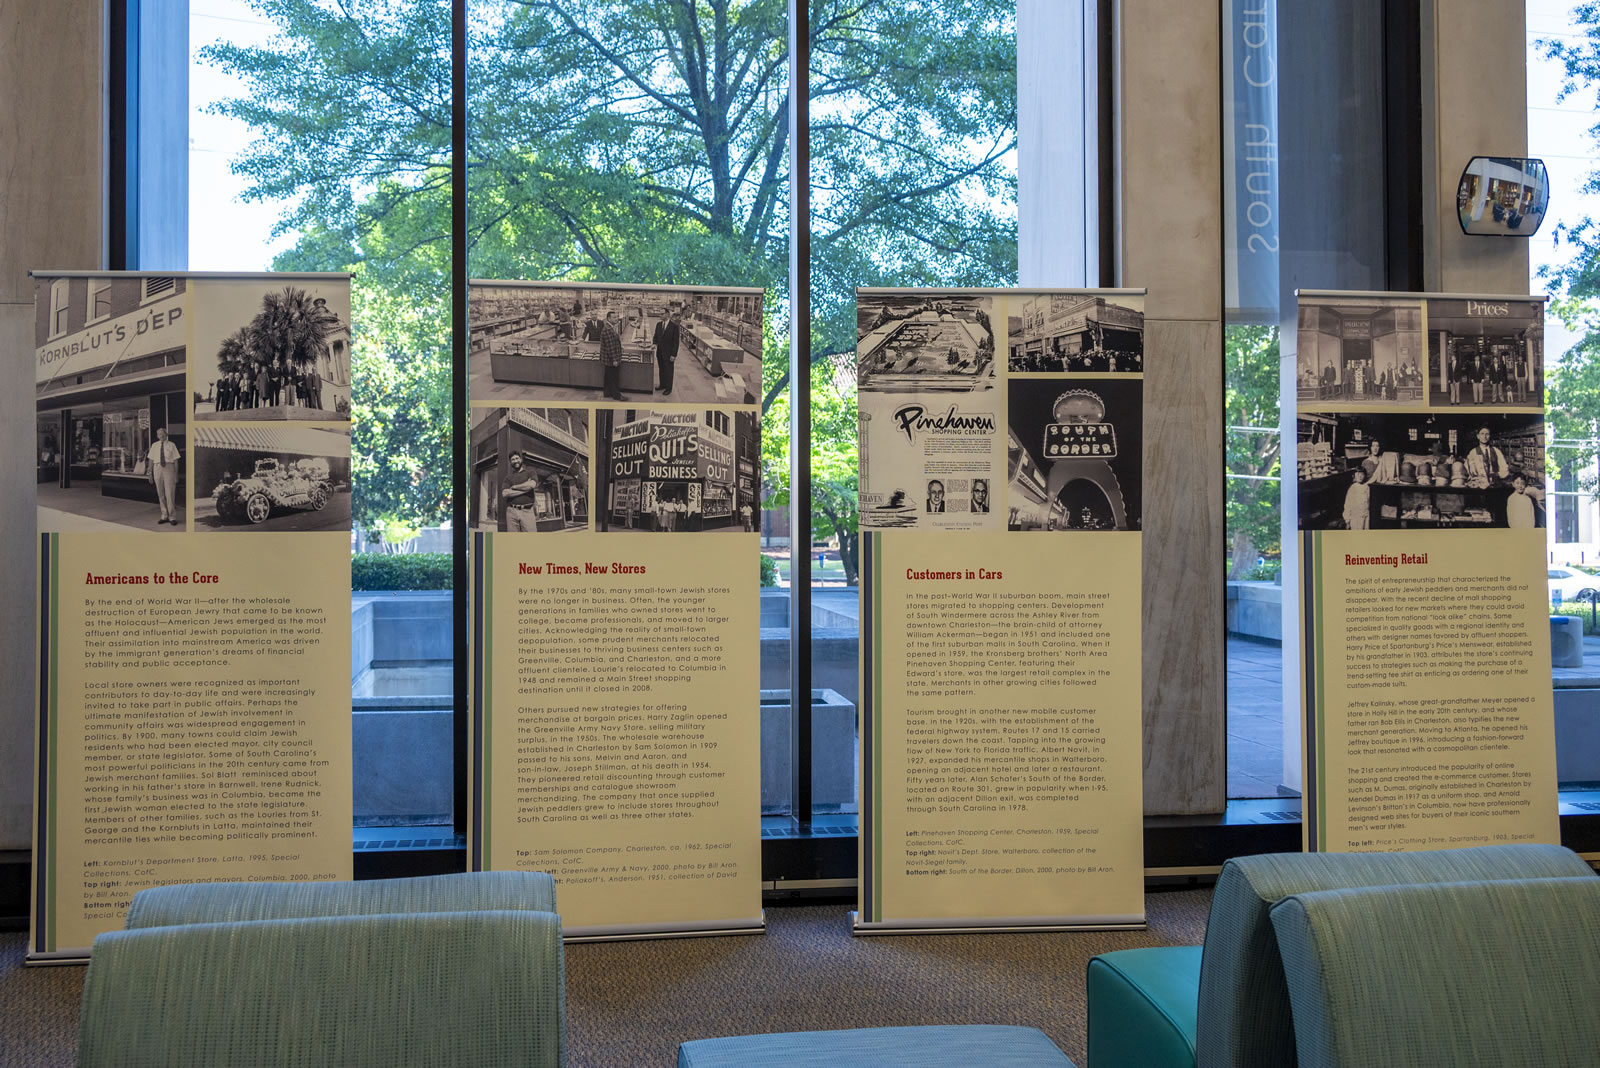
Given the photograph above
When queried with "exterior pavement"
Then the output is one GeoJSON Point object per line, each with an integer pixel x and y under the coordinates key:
{"type": "Point", "coordinates": [1255, 711]}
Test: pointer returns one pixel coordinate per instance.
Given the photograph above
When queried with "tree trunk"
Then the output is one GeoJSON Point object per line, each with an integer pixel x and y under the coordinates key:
{"type": "Point", "coordinates": [1244, 556]}
{"type": "Point", "coordinates": [849, 556]}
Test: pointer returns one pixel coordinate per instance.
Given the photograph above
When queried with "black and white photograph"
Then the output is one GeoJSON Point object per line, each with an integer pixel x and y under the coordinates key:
{"type": "Point", "coordinates": [1074, 455]}
{"type": "Point", "coordinates": [1425, 470]}
{"type": "Point", "coordinates": [1359, 350]}
{"type": "Point", "coordinates": [254, 476]}
{"type": "Point", "coordinates": [675, 471]}
{"type": "Point", "coordinates": [1486, 353]}
{"type": "Point", "coordinates": [549, 342]}
{"type": "Point", "coordinates": [272, 349]}
{"type": "Point", "coordinates": [925, 342]}
{"type": "Point", "coordinates": [1053, 333]}
{"type": "Point", "coordinates": [530, 470]}
{"type": "Point", "coordinates": [111, 434]}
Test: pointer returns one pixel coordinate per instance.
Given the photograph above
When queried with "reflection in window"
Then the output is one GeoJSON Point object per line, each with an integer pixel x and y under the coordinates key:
{"type": "Point", "coordinates": [127, 437]}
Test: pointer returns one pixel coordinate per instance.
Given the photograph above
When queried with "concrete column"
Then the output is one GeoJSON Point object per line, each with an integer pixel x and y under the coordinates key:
{"type": "Point", "coordinates": [1170, 241]}
{"type": "Point", "coordinates": [52, 207]}
{"type": "Point", "coordinates": [1467, 112]}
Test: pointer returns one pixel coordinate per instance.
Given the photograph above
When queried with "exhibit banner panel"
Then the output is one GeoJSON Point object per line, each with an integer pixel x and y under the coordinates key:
{"type": "Point", "coordinates": [1001, 457]}
{"type": "Point", "coordinates": [616, 683]}
{"type": "Point", "coordinates": [193, 691]}
{"type": "Point", "coordinates": [1424, 667]}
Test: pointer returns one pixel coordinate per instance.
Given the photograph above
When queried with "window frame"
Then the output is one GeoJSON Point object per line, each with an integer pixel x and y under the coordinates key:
{"type": "Point", "coordinates": [1172, 844]}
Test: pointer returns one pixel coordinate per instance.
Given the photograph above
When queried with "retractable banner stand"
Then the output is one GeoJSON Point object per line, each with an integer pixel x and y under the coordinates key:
{"type": "Point", "coordinates": [193, 455]}
{"type": "Point", "coordinates": [1424, 668]}
{"type": "Point", "coordinates": [615, 455]}
{"type": "Point", "coordinates": [1001, 448]}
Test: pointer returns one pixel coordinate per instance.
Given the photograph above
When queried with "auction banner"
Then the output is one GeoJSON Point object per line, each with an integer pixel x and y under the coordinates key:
{"type": "Point", "coordinates": [1001, 458]}
{"type": "Point", "coordinates": [1424, 668]}
{"type": "Point", "coordinates": [193, 691]}
{"type": "Point", "coordinates": [616, 688]}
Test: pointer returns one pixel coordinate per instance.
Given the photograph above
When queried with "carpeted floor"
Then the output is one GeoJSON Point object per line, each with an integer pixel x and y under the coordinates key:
{"type": "Point", "coordinates": [631, 1003]}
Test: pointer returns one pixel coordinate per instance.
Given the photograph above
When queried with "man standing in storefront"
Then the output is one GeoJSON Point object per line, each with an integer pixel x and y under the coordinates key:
{"type": "Point", "coordinates": [1485, 463]}
{"type": "Point", "coordinates": [666, 337]}
{"type": "Point", "coordinates": [162, 463]}
{"type": "Point", "coordinates": [519, 511]}
{"type": "Point", "coordinates": [611, 357]}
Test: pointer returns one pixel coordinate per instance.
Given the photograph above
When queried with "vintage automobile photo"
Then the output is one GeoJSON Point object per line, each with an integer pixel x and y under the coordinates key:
{"type": "Point", "coordinates": [302, 484]}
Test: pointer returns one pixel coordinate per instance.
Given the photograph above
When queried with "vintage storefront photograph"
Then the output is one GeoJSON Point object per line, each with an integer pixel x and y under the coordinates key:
{"type": "Point", "coordinates": [544, 342]}
{"type": "Point", "coordinates": [272, 350]}
{"type": "Point", "coordinates": [1075, 332]}
{"type": "Point", "coordinates": [258, 476]}
{"type": "Point", "coordinates": [1486, 353]}
{"type": "Point", "coordinates": [676, 471]}
{"type": "Point", "coordinates": [530, 469]}
{"type": "Point", "coordinates": [111, 438]}
{"type": "Point", "coordinates": [1364, 350]}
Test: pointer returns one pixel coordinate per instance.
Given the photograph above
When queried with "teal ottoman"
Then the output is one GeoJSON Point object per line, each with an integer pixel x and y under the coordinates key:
{"type": "Point", "coordinates": [1142, 1007]}
{"type": "Point", "coordinates": [968, 1046]}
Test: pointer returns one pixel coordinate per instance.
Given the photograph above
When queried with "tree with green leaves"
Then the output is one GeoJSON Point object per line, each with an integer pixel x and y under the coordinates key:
{"type": "Point", "coordinates": [1253, 508]}
{"type": "Point", "coordinates": [1572, 385]}
{"type": "Point", "coordinates": [641, 141]}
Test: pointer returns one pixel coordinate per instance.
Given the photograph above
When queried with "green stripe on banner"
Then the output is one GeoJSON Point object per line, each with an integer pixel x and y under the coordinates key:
{"type": "Point", "coordinates": [877, 722]}
{"type": "Point", "coordinates": [52, 596]}
{"type": "Point", "coordinates": [486, 644]}
{"type": "Point", "coordinates": [1319, 712]}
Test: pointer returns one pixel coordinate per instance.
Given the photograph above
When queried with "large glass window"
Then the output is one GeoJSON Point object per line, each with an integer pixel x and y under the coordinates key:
{"type": "Point", "coordinates": [913, 182]}
{"type": "Point", "coordinates": [1563, 101]}
{"type": "Point", "coordinates": [1305, 124]}
{"type": "Point", "coordinates": [631, 141]}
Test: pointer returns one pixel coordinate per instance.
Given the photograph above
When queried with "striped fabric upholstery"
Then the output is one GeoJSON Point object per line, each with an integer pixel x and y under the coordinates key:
{"type": "Point", "coordinates": [164, 906]}
{"type": "Point", "coordinates": [1497, 973]}
{"type": "Point", "coordinates": [471, 988]}
{"type": "Point", "coordinates": [1244, 1019]}
{"type": "Point", "coordinates": [963, 1046]}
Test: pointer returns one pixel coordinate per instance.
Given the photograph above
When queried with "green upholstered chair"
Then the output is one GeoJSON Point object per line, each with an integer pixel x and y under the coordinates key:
{"type": "Point", "coordinates": [479, 988]}
{"type": "Point", "coordinates": [164, 906]}
{"type": "Point", "coordinates": [1488, 973]}
{"type": "Point", "coordinates": [968, 1046]}
{"type": "Point", "coordinates": [1236, 1006]}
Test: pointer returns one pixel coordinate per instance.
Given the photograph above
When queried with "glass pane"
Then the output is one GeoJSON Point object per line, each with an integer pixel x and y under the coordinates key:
{"type": "Point", "coordinates": [1303, 112]}
{"type": "Point", "coordinates": [913, 183]}
{"type": "Point", "coordinates": [364, 187]}
{"type": "Point", "coordinates": [598, 155]}
{"type": "Point", "coordinates": [1563, 98]}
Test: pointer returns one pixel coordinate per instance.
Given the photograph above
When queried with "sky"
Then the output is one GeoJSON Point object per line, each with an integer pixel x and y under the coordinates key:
{"type": "Point", "coordinates": [226, 233]}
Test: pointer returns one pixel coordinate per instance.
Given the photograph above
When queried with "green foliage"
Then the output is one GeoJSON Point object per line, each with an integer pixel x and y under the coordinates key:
{"type": "Point", "coordinates": [1253, 509]}
{"type": "Point", "coordinates": [633, 141]}
{"type": "Point", "coordinates": [1572, 387]}
{"type": "Point", "coordinates": [1581, 609]}
{"type": "Point", "coordinates": [769, 571]}
{"type": "Point", "coordinates": [402, 571]}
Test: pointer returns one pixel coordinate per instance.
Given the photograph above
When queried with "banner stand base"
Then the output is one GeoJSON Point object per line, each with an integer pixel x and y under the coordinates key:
{"type": "Point", "coordinates": [924, 927]}
{"type": "Point", "coordinates": [574, 935]}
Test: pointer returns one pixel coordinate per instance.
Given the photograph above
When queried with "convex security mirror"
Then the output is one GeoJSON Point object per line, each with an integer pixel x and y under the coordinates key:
{"type": "Point", "coordinates": [1502, 197]}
